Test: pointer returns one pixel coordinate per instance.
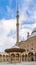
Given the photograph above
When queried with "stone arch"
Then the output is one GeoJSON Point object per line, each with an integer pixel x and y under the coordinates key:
{"type": "Point", "coordinates": [3, 58]}
{"type": "Point", "coordinates": [30, 56]}
{"type": "Point", "coordinates": [17, 57]}
{"type": "Point", "coordinates": [7, 57]}
{"type": "Point", "coordinates": [23, 57]}
{"type": "Point", "coordinates": [12, 57]}
{"type": "Point", "coordinates": [3, 55]}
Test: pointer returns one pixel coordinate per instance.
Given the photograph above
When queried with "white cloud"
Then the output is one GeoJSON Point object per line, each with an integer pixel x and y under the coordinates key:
{"type": "Point", "coordinates": [5, 27]}
{"type": "Point", "coordinates": [30, 7]}
{"type": "Point", "coordinates": [9, 24]}
{"type": "Point", "coordinates": [25, 28]}
{"type": "Point", "coordinates": [25, 6]}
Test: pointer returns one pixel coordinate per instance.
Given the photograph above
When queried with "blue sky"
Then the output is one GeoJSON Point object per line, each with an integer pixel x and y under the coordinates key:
{"type": "Point", "coordinates": [7, 7]}
{"type": "Point", "coordinates": [27, 21]}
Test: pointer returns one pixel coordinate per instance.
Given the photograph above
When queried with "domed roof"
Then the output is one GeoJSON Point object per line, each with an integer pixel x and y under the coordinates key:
{"type": "Point", "coordinates": [33, 33]}
{"type": "Point", "coordinates": [15, 46]}
{"type": "Point", "coordinates": [34, 30]}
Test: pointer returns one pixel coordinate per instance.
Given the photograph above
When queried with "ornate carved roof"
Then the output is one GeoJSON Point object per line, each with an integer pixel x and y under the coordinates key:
{"type": "Point", "coordinates": [14, 50]}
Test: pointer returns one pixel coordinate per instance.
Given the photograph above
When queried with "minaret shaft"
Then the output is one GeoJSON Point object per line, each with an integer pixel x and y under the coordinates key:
{"type": "Point", "coordinates": [17, 31]}
{"type": "Point", "coordinates": [17, 25]}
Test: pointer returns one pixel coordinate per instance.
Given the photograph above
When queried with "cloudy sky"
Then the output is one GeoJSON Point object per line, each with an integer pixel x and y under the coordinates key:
{"type": "Point", "coordinates": [27, 21]}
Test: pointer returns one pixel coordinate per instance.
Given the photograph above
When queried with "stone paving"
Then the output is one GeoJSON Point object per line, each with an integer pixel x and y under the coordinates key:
{"type": "Point", "coordinates": [23, 63]}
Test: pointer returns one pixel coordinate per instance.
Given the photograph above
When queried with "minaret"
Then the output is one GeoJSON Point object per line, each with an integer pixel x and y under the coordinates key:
{"type": "Point", "coordinates": [17, 24]}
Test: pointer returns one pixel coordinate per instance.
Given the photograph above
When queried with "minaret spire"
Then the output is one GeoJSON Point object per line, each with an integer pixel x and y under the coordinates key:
{"type": "Point", "coordinates": [17, 25]}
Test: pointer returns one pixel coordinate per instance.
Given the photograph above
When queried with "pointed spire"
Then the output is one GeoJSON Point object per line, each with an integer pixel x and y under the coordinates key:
{"type": "Point", "coordinates": [17, 11]}
{"type": "Point", "coordinates": [17, 5]}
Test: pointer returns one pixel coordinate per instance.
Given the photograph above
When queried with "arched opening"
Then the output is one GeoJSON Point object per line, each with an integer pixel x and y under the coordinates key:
{"type": "Point", "coordinates": [12, 57]}
{"type": "Point", "coordinates": [7, 58]}
{"type": "Point", "coordinates": [30, 57]}
{"type": "Point", "coordinates": [3, 58]}
{"type": "Point", "coordinates": [17, 56]}
{"type": "Point", "coordinates": [23, 57]}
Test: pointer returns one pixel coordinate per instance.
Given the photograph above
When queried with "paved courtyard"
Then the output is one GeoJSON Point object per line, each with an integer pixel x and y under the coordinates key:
{"type": "Point", "coordinates": [23, 63]}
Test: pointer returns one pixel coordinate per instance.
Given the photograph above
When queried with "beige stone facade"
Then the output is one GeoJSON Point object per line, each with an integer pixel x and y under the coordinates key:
{"type": "Point", "coordinates": [29, 44]}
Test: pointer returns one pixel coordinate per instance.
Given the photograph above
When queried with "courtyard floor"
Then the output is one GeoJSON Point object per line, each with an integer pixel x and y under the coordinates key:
{"type": "Point", "coordinates": [23, 63]}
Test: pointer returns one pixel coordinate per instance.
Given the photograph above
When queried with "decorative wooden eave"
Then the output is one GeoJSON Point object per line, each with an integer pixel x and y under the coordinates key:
{"type": "Point", "coordinates": [14, 50]}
